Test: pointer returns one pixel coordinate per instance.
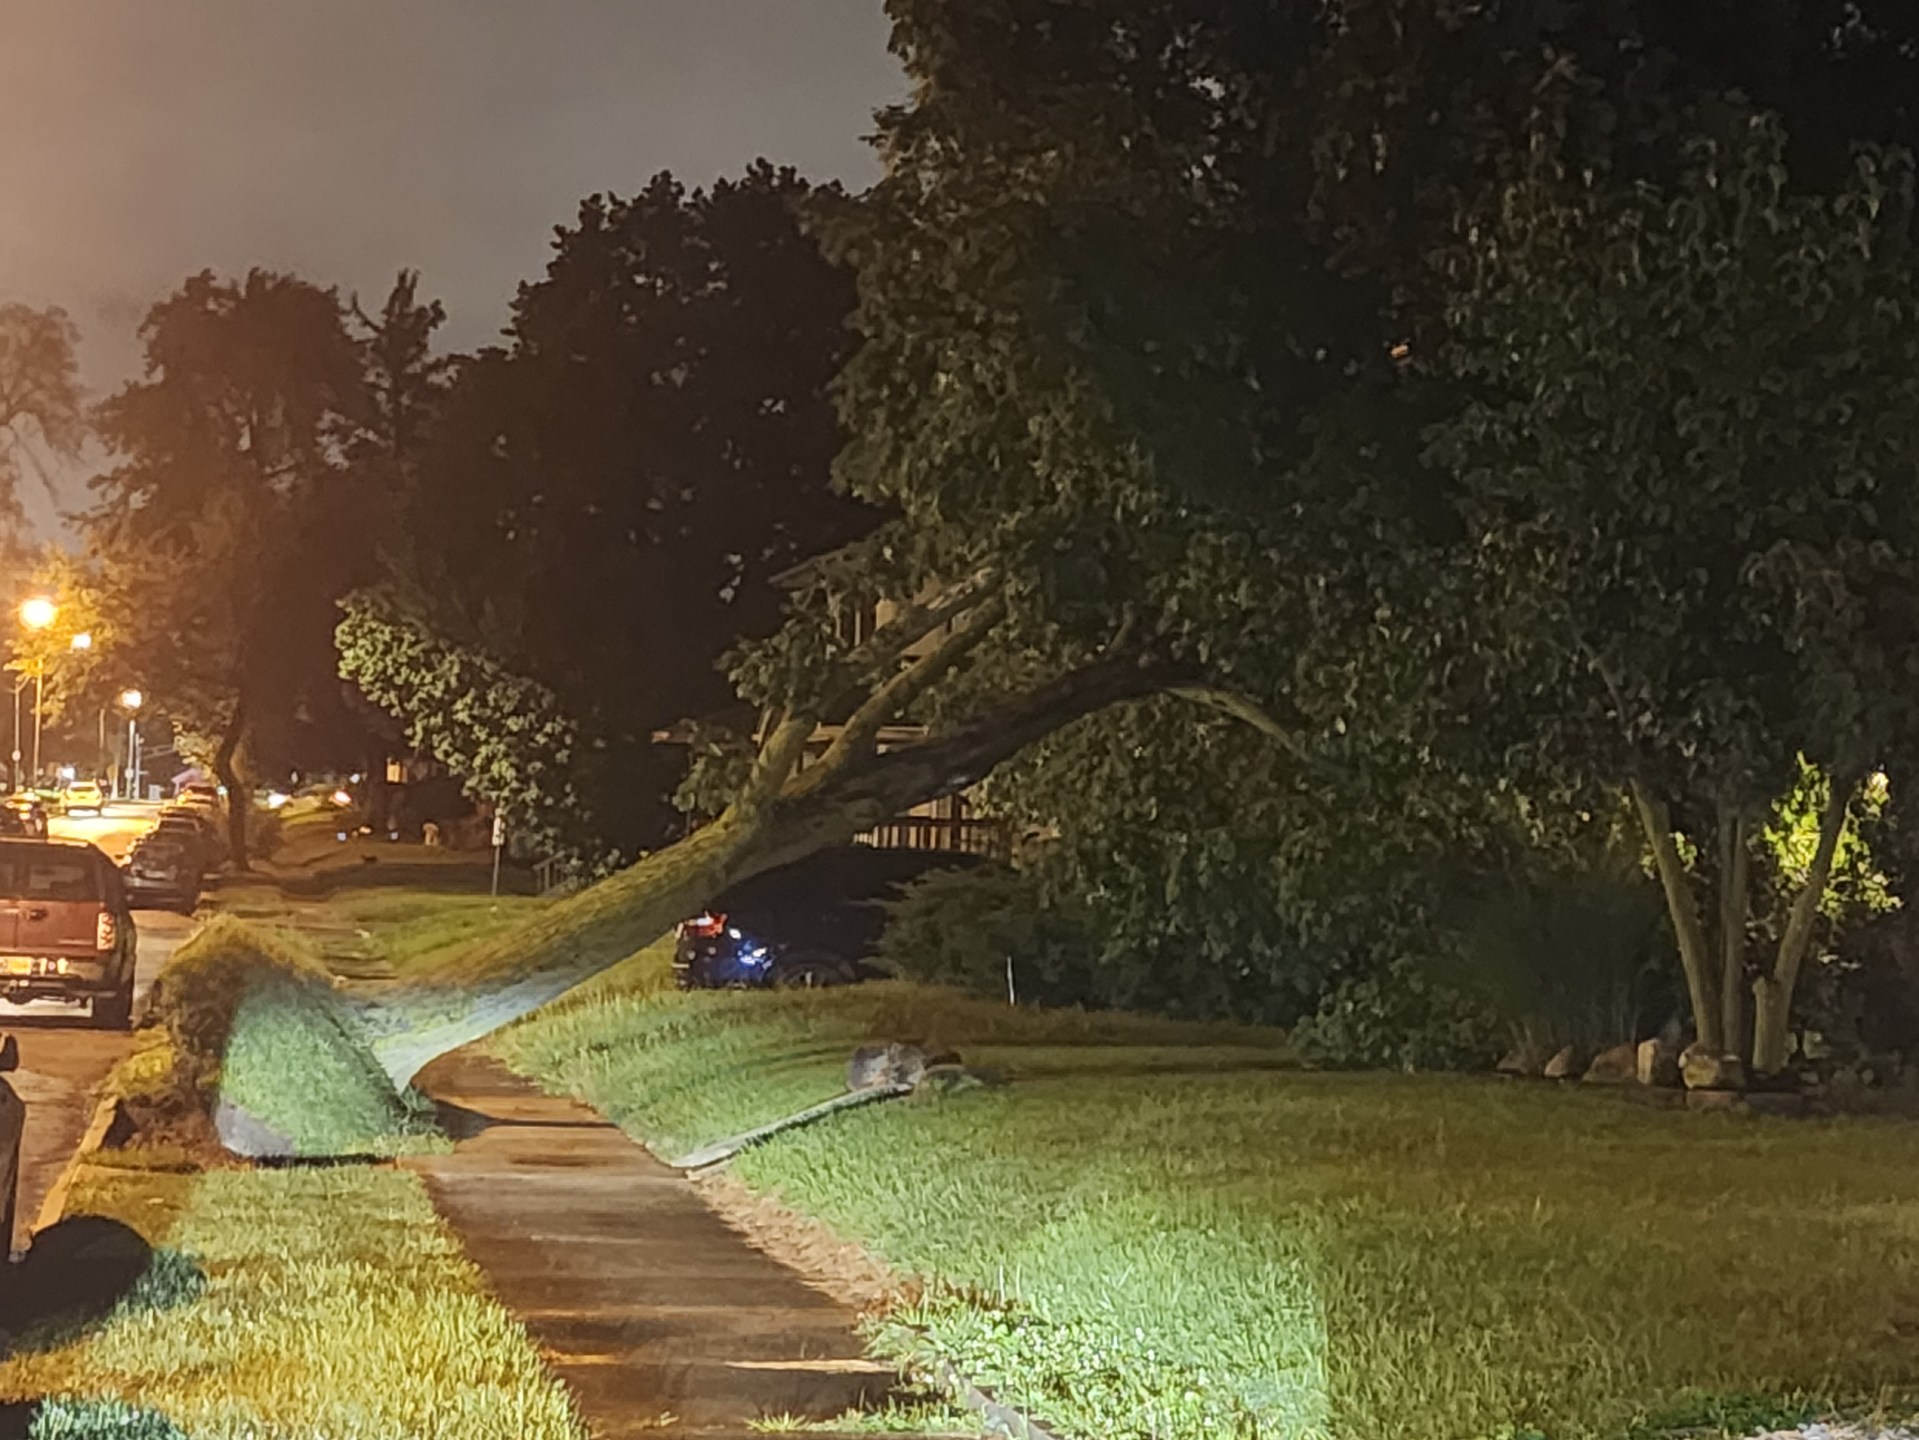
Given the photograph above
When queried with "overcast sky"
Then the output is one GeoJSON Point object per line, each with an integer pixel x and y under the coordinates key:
{"type": "Point", "coordinates": [143, 140]}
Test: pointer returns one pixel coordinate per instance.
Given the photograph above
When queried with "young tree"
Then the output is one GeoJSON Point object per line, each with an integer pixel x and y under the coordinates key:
{"type": "Point", "coordinates": [1689, 472]}
{"type": "Point", "coordinates": [43, 421]}
{"type": "Point", "coordinates": [602, 504]}
{"type": "Point", "coordinates": [208, 527]}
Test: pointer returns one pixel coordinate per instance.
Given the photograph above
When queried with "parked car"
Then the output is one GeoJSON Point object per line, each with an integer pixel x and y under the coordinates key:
{"type": "Point", "coordinates": [32, 815]}
{"type": "Point", "coordinates": [164, 872]}
{"type": "Point", "coordinates": [13, 1119]}
{"type": "Point", "coordinates": [810, 923]}
{"type": "Point", "coordinates": [191, 825]}
{"type": "Point", "coordinates": [85, 797]}
{"type": "Point", "coordinates": [66, 930]}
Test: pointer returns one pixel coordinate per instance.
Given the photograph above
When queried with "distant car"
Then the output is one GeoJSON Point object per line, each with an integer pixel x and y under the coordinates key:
{"type": "Point", "coordinates": [192, 831]}
{"type": "Point", "coordinates": [814, 922]}
{"type": "Point", "coordinates": [29, 812]}
{"type": "Point", "coordinates": [66, 930]}
{"type": "Point", "coordinates": [164, 872]}
{"type": "Point", "coordinates": [85, 797]}
{"type": "Point", "coordinates": [13, 1120]}
{"type": "Point", "coordinates": [199, 794]}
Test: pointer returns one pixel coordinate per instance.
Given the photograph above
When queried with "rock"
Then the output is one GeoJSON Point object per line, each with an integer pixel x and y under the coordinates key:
{"type": "Point", "coordinates": [1562, 1065]}
{"type": "Point", "coordinates": [243, 1133]}
{"type": "Point", "coordinates": [1522, 1059]}
{"type": "Point", "coordinates": [1702, 1069]}
{"type": "Point", "coordinates": [897, 1063]}
{"type": "Point", "coordinates": [1656, 1062]}
{"type": "Point", "coordinates": [1617, 1066]}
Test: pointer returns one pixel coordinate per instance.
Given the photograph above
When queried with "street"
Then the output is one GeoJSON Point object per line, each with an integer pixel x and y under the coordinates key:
{"type": "Point", "coordinates": [62, 1061]}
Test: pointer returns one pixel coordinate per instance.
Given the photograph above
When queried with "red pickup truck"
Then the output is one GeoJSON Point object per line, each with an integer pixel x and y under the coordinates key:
{"type": "Point", "coordinates": [66, 931]}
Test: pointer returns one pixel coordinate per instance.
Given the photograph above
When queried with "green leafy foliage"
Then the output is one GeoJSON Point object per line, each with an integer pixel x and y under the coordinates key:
{"type": "Point", "coordinates": [987, 929]}
{"type": "Point", "coordinates": [504, 734]}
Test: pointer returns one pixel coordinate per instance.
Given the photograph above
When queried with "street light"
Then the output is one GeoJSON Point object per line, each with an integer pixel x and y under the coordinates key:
{"type": "Point", "coordinates": [37, 612]}
{"type": "Point", "coordinates": [132, 700]}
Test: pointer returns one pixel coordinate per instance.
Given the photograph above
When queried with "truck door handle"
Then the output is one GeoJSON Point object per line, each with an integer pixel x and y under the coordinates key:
{"type": "Point", "coordinates": [36, 914]}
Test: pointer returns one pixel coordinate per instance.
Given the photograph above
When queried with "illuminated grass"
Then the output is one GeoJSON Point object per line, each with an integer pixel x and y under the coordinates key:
{"type": "Point", "coordinates": [1155, 1235]}
{"type": "Point", "coordinates": [336, 1307]}
{"type": "Point", "coordinates": [412, 930]}
{"type": "Point", "coordinates": [246, 1018]}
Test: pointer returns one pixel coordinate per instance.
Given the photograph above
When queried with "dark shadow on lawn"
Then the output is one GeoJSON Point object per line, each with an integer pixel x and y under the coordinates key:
{"type": "Point", "coordinates": [70, 1419]}
{"type": "Point", "coordinates": [77, 1273]}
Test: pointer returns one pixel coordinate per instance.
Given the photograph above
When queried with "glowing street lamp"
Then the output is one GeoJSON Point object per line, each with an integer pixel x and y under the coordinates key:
{"type": "Point", "coordinates": [37, 612]}
{"type": "Point", "coordinates": [82, 641]}
{"type": "Point", "coordinates": [131, 701]}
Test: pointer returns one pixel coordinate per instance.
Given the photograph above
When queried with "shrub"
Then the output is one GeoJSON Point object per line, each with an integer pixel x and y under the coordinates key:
{"type": "Point", "coordinates": [964, 927]}
{"type": "Point", "coordinates": [1402, 1020]}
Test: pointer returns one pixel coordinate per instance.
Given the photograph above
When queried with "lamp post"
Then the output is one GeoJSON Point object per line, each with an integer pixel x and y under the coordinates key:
{"type": "Point", "coordinates": [36, 614]}
{"type": "Point", "coordinates": [131, 700]}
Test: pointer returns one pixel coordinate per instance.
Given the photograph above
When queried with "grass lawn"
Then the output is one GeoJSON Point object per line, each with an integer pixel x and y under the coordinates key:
{"type": "Point", "coordinates": [1154, 1232]}
{"type": "Point", "coordinates": [335, 1307]}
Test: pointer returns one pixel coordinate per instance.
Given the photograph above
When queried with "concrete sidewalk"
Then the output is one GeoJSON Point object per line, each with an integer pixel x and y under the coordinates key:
{"type": "Point", "coordinates": [657, 1315]}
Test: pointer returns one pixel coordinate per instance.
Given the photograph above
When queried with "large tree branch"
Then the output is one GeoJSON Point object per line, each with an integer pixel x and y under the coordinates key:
{"type": "Point", "coordinates": [908, 775]}
{"type": "Point", "coordinates": [881, 652]}
{"type": "Point", "coordinates": [1248, 711]}
{"type": "Point", "coordinates": [860, 735]}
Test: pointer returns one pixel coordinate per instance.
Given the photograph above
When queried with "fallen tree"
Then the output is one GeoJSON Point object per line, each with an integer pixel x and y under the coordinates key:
{"type": "Point", "coordinates": [786, 805]}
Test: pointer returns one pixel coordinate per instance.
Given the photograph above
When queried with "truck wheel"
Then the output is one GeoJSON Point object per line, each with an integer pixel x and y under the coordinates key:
{"type": "Point", "coordinates": [115, 1011]}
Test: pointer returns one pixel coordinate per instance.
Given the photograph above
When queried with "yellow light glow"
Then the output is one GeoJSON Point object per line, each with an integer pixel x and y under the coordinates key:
{"type": "Point", "coordinates": [131, 699]}
{"type": "Point", "coordinates": [38, 612]}
{"type": "Point", "coordinates": [83, 641]}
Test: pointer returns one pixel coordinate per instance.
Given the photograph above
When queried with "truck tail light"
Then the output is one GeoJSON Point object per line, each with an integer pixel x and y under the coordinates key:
{"type": "Point", "coordinates": [105, 931]}
{"type": "Point", "coordinates": [703, 924]}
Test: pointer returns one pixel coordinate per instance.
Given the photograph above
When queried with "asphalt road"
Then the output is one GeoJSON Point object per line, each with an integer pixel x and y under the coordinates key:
{"type": "Point", "coordinates": [61, 1060]}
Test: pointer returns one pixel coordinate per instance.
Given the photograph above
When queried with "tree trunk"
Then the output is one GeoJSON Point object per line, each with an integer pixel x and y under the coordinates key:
{"type": "Point", "coordinates": [769, 825]}
{"type": "Point", "coordinates": [1772, 992]}
{"type": "Point", "coordinates": [1695, 954]}
{"type": "Point", "coordinates": [239, 801]}
{"type": "Point", "coordinates": [1735, 885]}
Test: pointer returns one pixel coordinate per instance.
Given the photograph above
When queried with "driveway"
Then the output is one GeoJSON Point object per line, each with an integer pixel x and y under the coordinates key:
{"type": "Point", "coordinates": [62, 1063]}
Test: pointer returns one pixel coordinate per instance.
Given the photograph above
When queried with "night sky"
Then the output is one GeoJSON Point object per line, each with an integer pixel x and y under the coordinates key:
{"type": "Point", "coordinates": [141, 140]}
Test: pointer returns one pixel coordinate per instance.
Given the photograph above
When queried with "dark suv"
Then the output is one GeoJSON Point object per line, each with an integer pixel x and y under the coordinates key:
{"type": "Point", "coordinates": [66, 932]}
{"type": "Point", "coordinates": [813, 922]}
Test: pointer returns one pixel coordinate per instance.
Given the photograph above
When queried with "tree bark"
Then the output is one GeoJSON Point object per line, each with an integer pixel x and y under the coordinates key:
{"type": "Point", "coordinates": [1694, 952]}
{"type": "Point", "coordinates": [1772, 992]}
{"type": "Point", "coordinates": [239, 800]}
{"type": "Point", "coordinates": [530, 965]}
{"type": "Point", "coordinates": [1735, 884]}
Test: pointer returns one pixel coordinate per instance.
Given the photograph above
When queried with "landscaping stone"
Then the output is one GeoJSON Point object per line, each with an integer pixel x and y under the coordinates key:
{"type": "Point", "coordinates": [1522, 1060]}
{"type": "Point", "coordinates": [1617, 1066]}
{"type": "Point", "coordinates": [900, 1062]}
{"type": "Point", "coordinates": [1704, 1070]}
{"type": "Point", "coordinates": [1656, 1062]}
{"type": "Point", "coordinates": [1562, 1066]}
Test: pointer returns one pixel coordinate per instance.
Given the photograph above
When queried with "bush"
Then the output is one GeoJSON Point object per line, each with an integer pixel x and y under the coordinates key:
{"type": "Point", "coordinates": [964, 927]}
{"type": "Point", "coordinates": [1400, 1021]}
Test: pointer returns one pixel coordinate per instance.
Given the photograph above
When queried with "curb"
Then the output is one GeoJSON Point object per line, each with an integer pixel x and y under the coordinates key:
{"type": "Point", "coordinates": [55, 1203]}
{"type": "Point", "coordinates": [1000, 1418]}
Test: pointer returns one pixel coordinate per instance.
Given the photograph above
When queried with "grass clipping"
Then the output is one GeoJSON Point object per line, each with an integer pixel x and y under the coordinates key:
{"type": "Point", "coordinates": [251, 1048]}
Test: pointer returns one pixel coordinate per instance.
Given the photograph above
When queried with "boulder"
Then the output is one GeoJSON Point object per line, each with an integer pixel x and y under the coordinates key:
{"type": "Point", "coordinates": [898, 1063]}
{"type": "Point", "coordinates": [1657, 1063]}
{"type": "Point", "coordinates": [1524, 1059]}
{"type": "Point", "coordinates": [1702, 1069]}
{"type": "Point", "coordinates": [1617, 1066]}
{"type": "Point", "coordinates": [1562, 1066]}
